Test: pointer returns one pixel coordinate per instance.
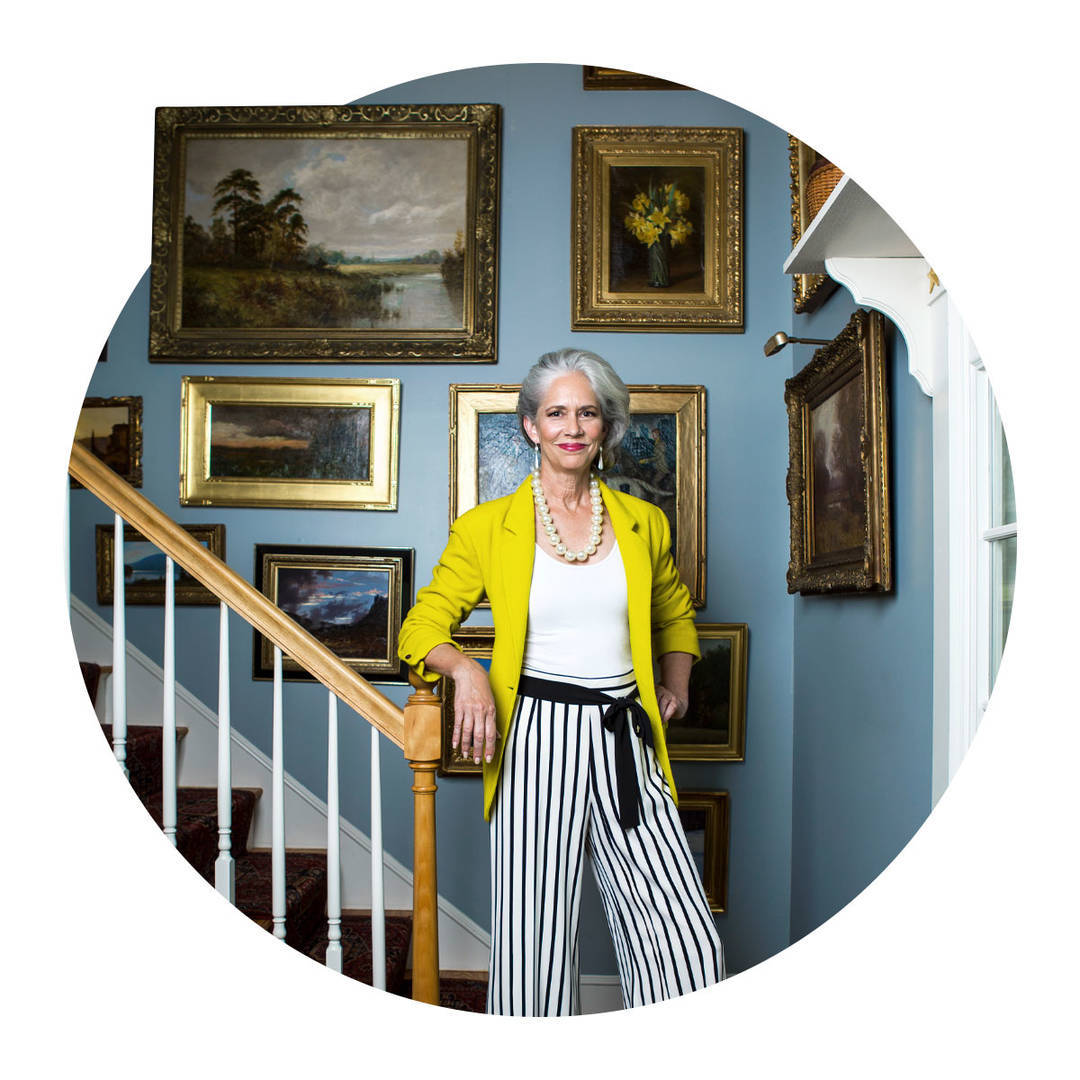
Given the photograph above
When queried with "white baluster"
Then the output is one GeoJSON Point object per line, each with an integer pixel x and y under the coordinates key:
{"type": "Point", "coordinates": [119, 649]}
{"type": "Point", "coordinates": [168, 710]}
{"type": "Point", "coordinates": [333, 840]}
{"type": "Point", "coordinates": [277, 843]}
{"type": "Point", "coordinates": [378, 900]}
{"type": "Point", "coordinates": [224, 865]}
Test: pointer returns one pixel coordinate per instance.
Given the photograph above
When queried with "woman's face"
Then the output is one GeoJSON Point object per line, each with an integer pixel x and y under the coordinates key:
{"type": "Point", "coordinates": [568, 424]}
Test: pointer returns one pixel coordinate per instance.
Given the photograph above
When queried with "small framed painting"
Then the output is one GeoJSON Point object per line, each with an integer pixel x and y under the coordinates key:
{"type": "Point", "coordinates": [309, 443]}
{"type": "Point", "coordinates": [838, 464]}
{"type": "Point", "coordinates": [111, 429]}
{"type": "Point", "coordinates": [325, 234]}
{"type": "Point", "coordinates": [706, 820]}
{"type": "Point", "coordinates": [714, 727]}
{"type": "Point", "coordinates": [657, 229]}
{"type": "Point", "coordinates": [661, 460]}
{"type": "Point", "coordinates": [351, 599]}
{"type": "Point", "coordinates": [479, 643]}
{"type": "Point", "coordinates": [144, 566]}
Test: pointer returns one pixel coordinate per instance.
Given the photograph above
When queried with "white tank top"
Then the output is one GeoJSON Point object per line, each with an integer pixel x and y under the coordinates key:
{"type": "Point", "coordinates": [578, 622]}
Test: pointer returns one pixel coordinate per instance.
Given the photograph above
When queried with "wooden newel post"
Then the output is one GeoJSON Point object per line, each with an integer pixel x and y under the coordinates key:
{"type": "Point", "coordinates": [423, 750]}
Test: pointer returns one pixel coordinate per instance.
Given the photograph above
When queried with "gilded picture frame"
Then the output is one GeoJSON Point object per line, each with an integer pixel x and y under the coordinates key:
{"type": "Point", "coordinates": [809, 291]}
{"type": "Point", "coordinates": [352, 599]}
{"type": "Point", "coordinates": [714, 727]}
{"type": "Point", "coordinates": [706, 819]}
{"type": "Point", "coordinates": [657, 229]}
{"type": "Point", "coordinates": [144, 577]}
{"type": "Point", "coordinates": [838, 469]}
{"type": "Point", "coordinates": [606, 78]}
{"type": "Point", "coordinates": [662, 459]}
{"type": "Point", "coordinates": [316, 234]}
{"type": "Point", "coordinates": [306, 443]}
{"type": "Point", "coordinates": [111, 428]}
{"type": "Point", "coordinates": [479, 643]}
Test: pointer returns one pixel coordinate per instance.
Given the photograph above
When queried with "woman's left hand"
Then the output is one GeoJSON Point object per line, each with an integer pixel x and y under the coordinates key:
{"type": "Point", "coordinates": [671, 705]}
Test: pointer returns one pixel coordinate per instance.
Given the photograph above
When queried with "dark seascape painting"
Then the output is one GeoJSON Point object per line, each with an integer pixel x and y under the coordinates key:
{"type": "Point", "coordinates": [347, 610]}
{"type": "Point", "coordinates": [839, 495]}
{"type": "Point", "coordinates": [324, 233]}
{"type": "Point", "coordinates": [290, 442]}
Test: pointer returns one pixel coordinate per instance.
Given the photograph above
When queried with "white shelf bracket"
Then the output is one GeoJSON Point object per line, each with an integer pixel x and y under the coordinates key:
{"type": "Point", "coordinates": [901, 289]}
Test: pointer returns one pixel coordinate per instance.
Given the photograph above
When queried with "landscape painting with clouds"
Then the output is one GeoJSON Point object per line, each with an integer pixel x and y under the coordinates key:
{"type": "Point", "coordinates": [324, 233]}
{"type": "Point", "coordinates": [350, 599]}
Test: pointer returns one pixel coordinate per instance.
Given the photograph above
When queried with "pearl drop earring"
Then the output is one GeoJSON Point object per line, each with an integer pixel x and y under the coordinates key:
{"type": "Point", "coordinates": [600, 460]}
{"type": "Point", "coordinates": [536, 457]}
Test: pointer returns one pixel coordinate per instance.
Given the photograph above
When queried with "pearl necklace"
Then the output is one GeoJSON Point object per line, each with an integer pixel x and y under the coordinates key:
{"type": "Point", "coordinates": [552, 532]}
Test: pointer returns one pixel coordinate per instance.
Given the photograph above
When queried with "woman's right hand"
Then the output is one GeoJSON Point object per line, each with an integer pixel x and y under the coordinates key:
{"type": "Point", "coordinates": [474, 711]}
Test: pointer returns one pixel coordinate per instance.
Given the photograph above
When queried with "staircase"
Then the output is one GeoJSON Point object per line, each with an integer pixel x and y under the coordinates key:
{"type": "Point", "coordinates": [305, 874]}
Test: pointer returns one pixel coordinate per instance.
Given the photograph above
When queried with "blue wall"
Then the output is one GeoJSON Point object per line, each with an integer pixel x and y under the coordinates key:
{"type": "Point", "coordinates": [863, 676]}
{"type": "Point", "coordinates": [747, 537]}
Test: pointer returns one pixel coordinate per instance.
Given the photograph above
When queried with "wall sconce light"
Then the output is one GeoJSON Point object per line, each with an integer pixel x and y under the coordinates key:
{"type": "Point", "coordinates": [778, 341]}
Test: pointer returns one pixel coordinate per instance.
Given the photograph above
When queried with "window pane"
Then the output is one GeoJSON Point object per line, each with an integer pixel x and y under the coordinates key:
{"type": "Point", "coordinates": [1001, 597]}
{"type": "Point", "coordinates": [1003, 510]}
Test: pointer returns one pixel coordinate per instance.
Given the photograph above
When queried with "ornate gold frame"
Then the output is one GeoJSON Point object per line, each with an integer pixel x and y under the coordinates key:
{"type": "Point", "coordinates": [184, 593]}
{"type": "Point", "coordinates": [134, 406]}
{"type": "Point", "coordinates": [479, 643]}
{"type": "Point", "coordinates": [735, 747]}
{"type": "Point", "coordinates": [717, 808]}
{"type": "Point", "coordinates": [477, 124]}
{"type": "Point", "coordinates": [719, 306]}
{"type": "Point", "coordinates": [605, 78]}
{"type": "Point", "coordinates": [397, 563]}
{"type": "Point", "coordinates": [810, 290]}
{"type": "Point", "coordinates": [200, 393]}
{"type": "Point", "coordinates": [858, 351]}
{"type": "Point", "coordinates": [685, 403]}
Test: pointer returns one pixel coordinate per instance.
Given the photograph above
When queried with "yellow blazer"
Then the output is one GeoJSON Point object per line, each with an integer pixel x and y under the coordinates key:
{"type": "Point", "coordinates": [491, 549]}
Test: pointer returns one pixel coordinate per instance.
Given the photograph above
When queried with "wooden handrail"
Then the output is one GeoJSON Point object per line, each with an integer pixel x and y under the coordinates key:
{"type": "Point", "coordinates": [265, 616]}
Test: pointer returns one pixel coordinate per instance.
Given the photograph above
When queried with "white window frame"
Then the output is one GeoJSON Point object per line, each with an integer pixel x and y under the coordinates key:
{"type": "Point", "coordinates": [963, 540]}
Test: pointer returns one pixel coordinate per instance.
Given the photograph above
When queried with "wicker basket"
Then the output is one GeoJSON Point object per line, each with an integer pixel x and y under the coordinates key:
{"type": "Point", "coordinates": [819, 186]}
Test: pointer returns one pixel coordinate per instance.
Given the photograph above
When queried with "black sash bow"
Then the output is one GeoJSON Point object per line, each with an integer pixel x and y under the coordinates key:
{"type": "Point", "coordinates": [620, 715]}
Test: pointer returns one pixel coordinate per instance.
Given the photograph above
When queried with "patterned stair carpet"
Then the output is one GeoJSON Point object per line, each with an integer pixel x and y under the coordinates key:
{"type": "Point", "coordinates": [305, 875]}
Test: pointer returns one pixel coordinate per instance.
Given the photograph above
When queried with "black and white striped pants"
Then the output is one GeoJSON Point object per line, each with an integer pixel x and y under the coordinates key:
{"type": "Point", "coordinates": [557, 799]}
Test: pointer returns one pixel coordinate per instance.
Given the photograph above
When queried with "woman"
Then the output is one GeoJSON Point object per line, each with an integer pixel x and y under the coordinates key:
{"type": "Point", "coordinates": [569, 721]}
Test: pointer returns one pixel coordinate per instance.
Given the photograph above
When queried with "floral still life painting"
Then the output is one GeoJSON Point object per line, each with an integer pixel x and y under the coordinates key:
{"type": "Point", "coordinates": [665, 222]}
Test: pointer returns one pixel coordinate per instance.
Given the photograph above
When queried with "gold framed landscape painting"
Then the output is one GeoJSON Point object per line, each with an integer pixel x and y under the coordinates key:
{"type": "Point", "coordinates": [661, 460]}
{"type": "Point", "coordinates": [325, 233]}
{"type": "Point", "coordinates": [479, 643]}
{"type": "Point", "coordinates": [810, 290]}
{"type": "Point", "coordinates": [714, 727]}
{"type": "Point", "coordinates": [657, 229]}
{"type": "Point", "coordinates": [706, 819]}
{"type": "Point", "coordinates": [838, 469]}
{"type": "Point", "coordinates": [306, 443]}
{"type": "Point", "coordinates": [145, 569]}
{"type": "Point", "coordinates": [352, 599]}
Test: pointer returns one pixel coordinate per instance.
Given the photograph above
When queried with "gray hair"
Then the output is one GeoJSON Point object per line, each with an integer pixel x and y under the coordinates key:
{"type": "Point", "coordinates": [611, 393]}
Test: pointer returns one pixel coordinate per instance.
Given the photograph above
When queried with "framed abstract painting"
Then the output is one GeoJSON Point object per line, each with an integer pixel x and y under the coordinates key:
{"type": "Point", "coordinates": [661, 460]}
